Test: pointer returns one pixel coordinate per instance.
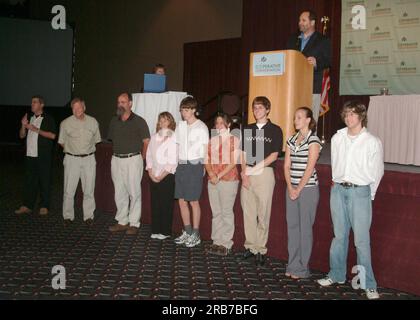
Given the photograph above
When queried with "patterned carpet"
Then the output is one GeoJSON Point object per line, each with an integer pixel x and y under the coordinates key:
{"type": "Point", "coordinates": [100, 265]}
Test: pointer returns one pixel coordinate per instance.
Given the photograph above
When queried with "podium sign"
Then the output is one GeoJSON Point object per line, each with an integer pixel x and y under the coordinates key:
{"type": "Point", "coordinates": [271, 64]}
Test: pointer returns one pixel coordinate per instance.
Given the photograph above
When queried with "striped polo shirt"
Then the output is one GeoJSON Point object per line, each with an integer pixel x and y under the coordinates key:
{"type": "Point", "coordinates": [299, 155]}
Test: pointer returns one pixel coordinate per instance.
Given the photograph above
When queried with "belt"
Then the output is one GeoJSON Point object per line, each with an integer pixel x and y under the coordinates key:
{"type": "Point", "coordinates": [348, 185]}
{"type": "Point", "coordinates": [80, 155]}
{"type": "Point", "coordinates": [125, 156]}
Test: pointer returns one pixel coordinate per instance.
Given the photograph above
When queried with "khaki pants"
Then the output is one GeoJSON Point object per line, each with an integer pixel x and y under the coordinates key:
{"type": "Point", "coordinates": [222, 199]}
{"type": "Point", "coordinates": [126, 175]}
{"type": "Point", "coordinates": [256, 205]}
{"type": "Point", "coordinates": [76, 169]}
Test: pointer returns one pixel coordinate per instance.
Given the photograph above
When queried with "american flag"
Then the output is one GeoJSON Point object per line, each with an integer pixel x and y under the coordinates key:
{"type": "Point", "coordinates": [326, 85]}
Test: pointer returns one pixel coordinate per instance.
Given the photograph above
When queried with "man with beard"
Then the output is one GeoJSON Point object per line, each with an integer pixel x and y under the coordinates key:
{"type": "Point", "coordinates": [130, 137]}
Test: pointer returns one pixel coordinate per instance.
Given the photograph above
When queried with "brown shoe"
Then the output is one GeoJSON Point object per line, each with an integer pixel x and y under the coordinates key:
{"type": "Point", "coordinates": [132, 231]}
{"type": "Point", "coordinates": [67, 223]}
{"type": "Point", "coordinates": [118, 228]}
{"type": "Point", "coordinates": [213, 249]}
{"type": "Point", "coordinates": [223, 251]}
{"type": "Point", "coordinates": [43, 211]}
{"type": "Point", "coordinates": [23, 210]}
{"type": "Point", "coordinates": [89, 222]}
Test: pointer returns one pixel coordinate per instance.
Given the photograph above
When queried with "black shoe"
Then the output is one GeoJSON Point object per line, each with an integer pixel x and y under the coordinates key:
{"type": "Point", "coordinates": [247, 254]}
{"type": "Point", "coordinates": [89, 222]}
{"type": "Point", "coordinates": [68, 223]}
{"type": "Point", "coordinates": [260, 259]}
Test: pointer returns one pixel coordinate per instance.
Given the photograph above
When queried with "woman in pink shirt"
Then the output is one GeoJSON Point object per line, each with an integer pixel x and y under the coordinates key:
{"type": "Point", "coordinates": [161, 164]}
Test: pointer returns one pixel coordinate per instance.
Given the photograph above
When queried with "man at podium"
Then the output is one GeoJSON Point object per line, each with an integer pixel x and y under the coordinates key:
{"type": "Point", "coordinates": [317, 48]}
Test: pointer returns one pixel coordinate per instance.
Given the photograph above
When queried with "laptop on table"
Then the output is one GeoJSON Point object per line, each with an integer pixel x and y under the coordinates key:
{"type": "Point", "coordinates": [154, 83]}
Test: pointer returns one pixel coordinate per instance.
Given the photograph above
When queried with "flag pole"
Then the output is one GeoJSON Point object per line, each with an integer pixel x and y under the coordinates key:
{"type": "Point", "coordinates": [324, 21]}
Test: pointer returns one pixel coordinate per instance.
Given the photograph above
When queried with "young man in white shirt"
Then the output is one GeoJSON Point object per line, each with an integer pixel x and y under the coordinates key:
{"type": "Point", "coordinates": [357, 169]}
{"type": "Point", "coordinates": [192, 137]}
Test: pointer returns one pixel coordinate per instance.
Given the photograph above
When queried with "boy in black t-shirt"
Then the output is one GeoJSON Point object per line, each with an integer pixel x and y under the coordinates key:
{"type": "Point", "coordinates": [262, 143]}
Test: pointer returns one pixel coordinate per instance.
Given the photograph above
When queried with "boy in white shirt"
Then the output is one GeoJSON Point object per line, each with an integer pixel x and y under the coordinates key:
{"type": "Point", "coordinates": [357, 169]}
{"type": "Point", "coordinates": [192, 138]}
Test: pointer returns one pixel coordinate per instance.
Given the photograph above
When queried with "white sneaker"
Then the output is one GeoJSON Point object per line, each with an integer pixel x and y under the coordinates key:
{"type": "Point", "coordinates": [162, 237]}
{"type": "Point", "coordinates": [182, 239]}
{"type": "Point", "coordinates": [194, 240]}
{"type": "Point", "coordinates": [327, 281]}
{"type": "Point", "coordinates": [372, 294]}
{"type": "Point", "coordinates": [154, 236]}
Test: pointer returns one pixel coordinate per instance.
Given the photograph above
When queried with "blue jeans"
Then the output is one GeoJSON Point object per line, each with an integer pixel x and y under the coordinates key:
{"type": "Point", "coordinates": [351, 208]}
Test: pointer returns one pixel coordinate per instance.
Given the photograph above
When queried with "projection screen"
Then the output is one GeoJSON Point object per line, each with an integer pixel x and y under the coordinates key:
{"type": "Point", "coordinates": [35, 59]}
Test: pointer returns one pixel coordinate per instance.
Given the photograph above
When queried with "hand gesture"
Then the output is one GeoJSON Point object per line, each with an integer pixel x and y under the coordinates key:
{"type": "Point", "coordinates": [24, 120]}
{"type": "Point", "coordinates": [152, 177]}
{"type": "Point", "coordinates": [246, 183]}
{"type": "Point", "coordinates": [312, 61]}
{"type": "Point", "coordinates": [31, 127]}
{"type": "Point", "coordinates": [294, 193]}
{"type": "Point", "coordinates": [214, 180]}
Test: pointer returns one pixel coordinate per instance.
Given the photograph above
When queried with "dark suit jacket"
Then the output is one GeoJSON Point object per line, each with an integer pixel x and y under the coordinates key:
{"type": "Point", "coordinates": [318, 47]}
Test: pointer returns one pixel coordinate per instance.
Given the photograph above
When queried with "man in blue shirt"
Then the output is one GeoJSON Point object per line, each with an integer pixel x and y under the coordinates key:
{"type": "Point", "coordinates": [316, 48]}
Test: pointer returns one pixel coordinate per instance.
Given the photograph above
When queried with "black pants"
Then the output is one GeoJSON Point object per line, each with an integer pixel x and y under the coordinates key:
{"type": "Point", "coordinates": [162, 195]}
{"type": "Point", "coordinates": [37, 178]}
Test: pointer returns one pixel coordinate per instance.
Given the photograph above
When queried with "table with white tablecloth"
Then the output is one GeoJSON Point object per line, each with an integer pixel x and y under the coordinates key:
{"type": "Point", "coordinates": [396, 121]}
{"type": "Point", "coordinates": [150, 105]}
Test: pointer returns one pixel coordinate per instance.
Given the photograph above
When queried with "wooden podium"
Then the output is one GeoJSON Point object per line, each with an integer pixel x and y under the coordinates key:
{"type": "Point", "coordinates": [287, 92]}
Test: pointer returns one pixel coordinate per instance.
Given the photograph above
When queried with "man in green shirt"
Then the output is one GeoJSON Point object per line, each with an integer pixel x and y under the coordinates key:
{"type": "Point", "coordinates": [130, 137]}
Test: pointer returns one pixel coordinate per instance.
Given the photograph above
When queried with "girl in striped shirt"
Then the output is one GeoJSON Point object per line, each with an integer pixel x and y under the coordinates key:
{"type": "Point", "coordinates": [302, 193]}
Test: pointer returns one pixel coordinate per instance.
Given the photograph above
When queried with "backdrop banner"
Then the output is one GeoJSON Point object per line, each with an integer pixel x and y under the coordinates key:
{"type": "Point", "coordinates": [380, 47]}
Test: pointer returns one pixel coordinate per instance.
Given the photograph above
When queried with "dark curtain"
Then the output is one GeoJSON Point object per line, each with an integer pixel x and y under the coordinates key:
{"type": "Point", "coordinates": [211, 67]}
